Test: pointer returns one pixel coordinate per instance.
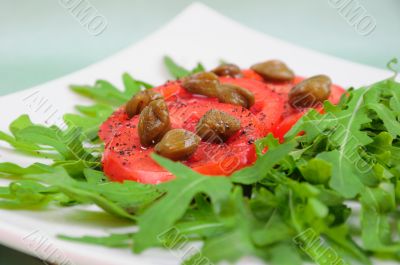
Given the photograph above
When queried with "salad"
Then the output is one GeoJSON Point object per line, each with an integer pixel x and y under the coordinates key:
{"type": "Point", "coordinates": [208, 120]}
{"type": "Point", "coordinates": [249, 162]}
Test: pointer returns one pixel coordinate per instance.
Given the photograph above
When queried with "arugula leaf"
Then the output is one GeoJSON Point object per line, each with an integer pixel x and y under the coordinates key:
{"type": "Point", "coordinates": [174, 69]}
{"type": "Point", "coordinates": [130, 195]}
{"type": "Point", "coordinates": [102, 92]}
{"type": "Point", "coordinates": [89, 125]}
{"type": "Point", "coordinates": [264, 163]}
{"type": "Point", "coordinates": [105, 92]}
{"type": "Point", "coordinates": [273, 231]}
{"type": "Point", "coordinates": [285, 254]}
{"type": "Point", "coordinates": [131, 85]}
{"type": "Point", "coordinates": [198, 69]}
{"type": "Point", "coordinates": [96, 110]}
{"type": "Point", "coordinates": [72, 189]}
{"type": "Point", "coordinates": [345, 136]}
{"type": "Point", "coordinates": [20, 123]}
{"type": "Point", "coordinates": [162, 215]}
{"type": "Point", "coordinates": [21, 144]}
{"type": "Point", "coordinates": [376, 229]}
{"type": "Point", "coordinates": [29, 194]}
{"type": "Point", "coordinates": [237, 214]}
{"type": "Point", "coordinates": [178, 71]}
{"type": "Point", "coordinates": [345, 178]}
{"type": "Point", "coordinates": [339, 236]}
{"type": "Point", "coordinates": [8, 169]}
{"type": "Point", "coordinates": [113, 240]}
{"type": "Point", "coordinates": [316, 171]}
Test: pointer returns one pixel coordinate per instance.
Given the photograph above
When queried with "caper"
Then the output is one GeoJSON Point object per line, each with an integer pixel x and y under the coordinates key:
{"type": "Point", "coordinates": [205, 83]}
{"type": "Point", "coordinates": [178, 144]}
{"type": "Point", "coordinates": [138, 102]}
{"type": "Point", "coordinates": [236, 95]}
{"type": "Point", "coordinates": [274, 70]}
{"type": "Point", "coordinates": [310, 92]}
{"type": "Point", "coordinates": [153, 122]}
{"type": "Point", "coordinates": [217, 126]}
{"type": "Point", "coordinates": [228, 69]}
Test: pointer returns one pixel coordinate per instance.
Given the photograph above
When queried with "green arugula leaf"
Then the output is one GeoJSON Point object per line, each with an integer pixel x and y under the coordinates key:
{"type": "Point", "coordinates": [20, 123]}
{"type": "Point", "coordinates": [316, 171]}
{"type": "Point", "coordinates": [285, 254]}
{"type": "Point", "coordinates": [274, 231]}
{"type": "Point", "coordinates": [130, 195]}
{"type": "Point", "coordinates": [104, 92]}
{"type": "Point", "coordinates": [375, 221]}
{"type": "Point", "coordinates": [113, 240]}
{"type": "Point", "coordinates": [264, 163]}
{"type": "Point", "coordinates": [162, 215]}
{"type": "Point", "coordinates": [11, 169]}
{"type": "Point", "coordinates": [345, 178]}
{"type": "Point", "coordinates": [198, 69]}
{"type": "Point", "coordinates": [89, 125]}
{"type": "Point", "coordinates": [236, 212]}
{"type": "Point", "coordinates": [95, 111]}
{"type": "Point", "coordinates": [131, 85]}
{"type": "Point", "coordinates": [24, 145]}
{"type": "Point", "coordinates": [29, 194]}
{"type": "Point", "coordinates": [345, 136]}
{"type": "Point", "coordinates": [174, 69]}
{"type": "Point", "coordinates": [178, 71]}
{"type": "Point", "coordinates": [58, 177]}
{"type": "Point", "coordinates": [339, 236]}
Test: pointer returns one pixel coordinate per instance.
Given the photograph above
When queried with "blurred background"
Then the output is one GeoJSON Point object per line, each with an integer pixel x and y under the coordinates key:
{"type": "Point", "coordinates": [42, 40]}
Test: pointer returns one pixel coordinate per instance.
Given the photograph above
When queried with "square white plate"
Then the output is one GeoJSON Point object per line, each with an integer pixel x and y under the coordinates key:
{"type": "Point", "coordinates": [197, 34]}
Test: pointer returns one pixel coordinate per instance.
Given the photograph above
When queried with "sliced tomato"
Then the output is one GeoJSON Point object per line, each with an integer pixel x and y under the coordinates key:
{"type": "Point", "coordinates": [125, 159]}
{"type": "Point", "coordinates": [108, 128]}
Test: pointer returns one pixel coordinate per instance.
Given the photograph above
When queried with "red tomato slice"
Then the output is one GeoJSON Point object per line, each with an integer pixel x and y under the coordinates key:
{"type": "Point", "coordinates": [124, 159]}
{"type": "Point", "coordinates": [108, 128]}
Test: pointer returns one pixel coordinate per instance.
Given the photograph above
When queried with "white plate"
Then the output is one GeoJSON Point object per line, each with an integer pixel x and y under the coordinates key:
{"type": "Point", "coordinates": [198, 33]}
